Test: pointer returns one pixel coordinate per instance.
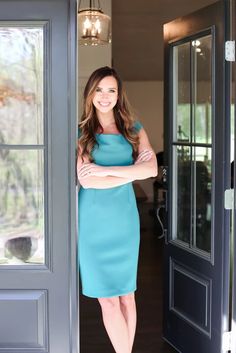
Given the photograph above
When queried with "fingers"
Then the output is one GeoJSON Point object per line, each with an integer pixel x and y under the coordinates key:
{"type": "Point", "coordinates": [145, 153]}
{"type": "Point", "coordinates": [84, 167]}
{"type": "Point", "coordinates": [91, 169]}
{"type": "Point", "coordinates": [85, 170]}
{"type": "Point", "coordinates": [144, 156]}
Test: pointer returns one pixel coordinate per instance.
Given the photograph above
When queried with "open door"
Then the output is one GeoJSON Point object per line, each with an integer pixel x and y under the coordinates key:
{"type": "Point", "coordinates": [38, 304]}
{"type": "Point", "coordinates": [197, 146]}
{"type": "Point", "coordinates": [233, 176]}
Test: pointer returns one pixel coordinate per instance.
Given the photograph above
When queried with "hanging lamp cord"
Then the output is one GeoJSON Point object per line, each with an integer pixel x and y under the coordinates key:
{"type": "Point", "coordinates": [92, 4]}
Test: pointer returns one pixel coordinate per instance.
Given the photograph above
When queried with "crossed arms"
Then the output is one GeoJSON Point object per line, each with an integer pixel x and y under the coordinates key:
{"type": "Point", "coordinates": [91, 175]}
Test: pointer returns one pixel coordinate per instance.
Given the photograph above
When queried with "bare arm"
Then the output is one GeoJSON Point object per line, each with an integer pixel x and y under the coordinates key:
{"type": "Point", "coordinates": [140, 171]}
{"type": "Point", "coordinates": [107, 182]}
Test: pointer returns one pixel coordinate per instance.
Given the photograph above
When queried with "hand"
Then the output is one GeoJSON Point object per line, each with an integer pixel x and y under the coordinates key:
{"type": "Point", "coordinates": [144, 156]}
{"type": "Point", "coordinates": [91, 169]}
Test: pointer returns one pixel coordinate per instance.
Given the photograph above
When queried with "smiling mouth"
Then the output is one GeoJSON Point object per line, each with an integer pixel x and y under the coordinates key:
{"type": "Point", "coordinates": [103, 104]}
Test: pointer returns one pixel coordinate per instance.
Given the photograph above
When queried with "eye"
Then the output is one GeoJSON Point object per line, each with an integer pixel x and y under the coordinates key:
{"type": "Point", "coordinates": [112, 91]}
{"type": "Point", "coordinates": [98, 89]}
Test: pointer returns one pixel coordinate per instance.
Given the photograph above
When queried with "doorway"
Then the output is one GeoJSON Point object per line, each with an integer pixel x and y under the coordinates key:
{"type": "Point", "coordinates": [38, 293]}
{"type": "Point", "coordinates": [132, 91]}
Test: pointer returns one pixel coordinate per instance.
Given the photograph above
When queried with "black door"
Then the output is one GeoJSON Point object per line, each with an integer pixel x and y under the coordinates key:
{"type": "Point", "coordinates": [197, 146]}
{"type": "Point", "coordinates": [233, 166]}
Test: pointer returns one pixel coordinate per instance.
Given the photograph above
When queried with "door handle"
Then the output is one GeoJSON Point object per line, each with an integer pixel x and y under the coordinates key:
{"type": "Point", "coordinates": [164, 231]}
{"type": "Point", "coordinates": [163, 205]}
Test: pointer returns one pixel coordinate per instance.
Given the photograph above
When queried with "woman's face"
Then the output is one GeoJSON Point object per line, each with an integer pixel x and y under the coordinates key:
{"type": "Point", "coordinates": [106, 94]}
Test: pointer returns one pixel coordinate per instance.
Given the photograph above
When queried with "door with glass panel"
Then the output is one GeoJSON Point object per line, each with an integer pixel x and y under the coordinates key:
{"type": "Point", "coordinates": [37, 197]}
{"type": "Point", "coordinates": [197, 146]}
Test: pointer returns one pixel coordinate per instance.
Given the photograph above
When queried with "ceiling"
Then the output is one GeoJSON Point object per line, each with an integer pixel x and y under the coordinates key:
{"type": "Point", "coordinates": [137, 37]}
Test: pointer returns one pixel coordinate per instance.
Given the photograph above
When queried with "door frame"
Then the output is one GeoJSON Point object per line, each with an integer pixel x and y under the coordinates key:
{"type": "Point", "coordinates": [72, 192]}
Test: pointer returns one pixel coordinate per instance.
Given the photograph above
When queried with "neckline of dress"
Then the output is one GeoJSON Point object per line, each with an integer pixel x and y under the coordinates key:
{"type": "Point", "coordinates": [108, 134]}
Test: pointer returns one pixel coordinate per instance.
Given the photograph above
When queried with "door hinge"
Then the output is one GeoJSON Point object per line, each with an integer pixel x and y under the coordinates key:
{"type": "Point", "coordinates": [230, 50]}
{"type": "Point", "coordinates": [227, 342]}
{"type": "Point", "coordinates": [229, 199]}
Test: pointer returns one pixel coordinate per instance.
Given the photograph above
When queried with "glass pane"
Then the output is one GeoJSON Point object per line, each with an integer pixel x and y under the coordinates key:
{"type": "Point", "coordinates": [201, 89]}
{"type": "Point", "coordinates": [202, 186]}
{"type": "Point", "coordinates": [181, 96]}
{"type": "Point", "coordinates": [21, 85]}
{"type": "Point", "coordinates": [21, 207]}
{"type": "Point", "coordinates": [181, 204]}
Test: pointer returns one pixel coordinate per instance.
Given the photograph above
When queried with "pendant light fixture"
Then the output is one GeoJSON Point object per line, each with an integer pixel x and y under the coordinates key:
{"type": "Point", "coordinates": [94, 27]}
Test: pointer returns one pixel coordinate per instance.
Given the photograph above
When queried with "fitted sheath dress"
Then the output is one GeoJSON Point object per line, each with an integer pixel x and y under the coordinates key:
{"type": "Point", "coordinates": [109, 230]}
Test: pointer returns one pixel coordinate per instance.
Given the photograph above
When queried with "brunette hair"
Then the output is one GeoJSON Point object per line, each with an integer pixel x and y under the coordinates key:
{"type": "Point", "coordinates": [89, 124]}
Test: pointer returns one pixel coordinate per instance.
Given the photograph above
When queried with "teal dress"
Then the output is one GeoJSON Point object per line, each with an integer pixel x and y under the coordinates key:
{"type": "Point", "coordinates": [109, 230]}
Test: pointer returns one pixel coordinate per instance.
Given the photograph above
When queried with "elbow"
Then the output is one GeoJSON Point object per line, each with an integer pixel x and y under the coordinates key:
{"type": "Point", "coordinates": [83, 183]}
{"type": "Point", "coordinates": [151, 173]}
{"type": "Point", "coordinates": [154, 174]}
{"type": "Point", "coordinates": [154, 170]}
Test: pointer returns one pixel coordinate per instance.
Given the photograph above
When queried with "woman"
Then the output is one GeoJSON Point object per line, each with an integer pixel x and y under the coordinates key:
{"type": "Point", "coordinates": [113, 151]}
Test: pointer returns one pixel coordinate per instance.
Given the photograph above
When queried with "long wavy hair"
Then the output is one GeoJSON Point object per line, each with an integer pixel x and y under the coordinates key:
{"type": "Point", "coordinates": [89, 124]}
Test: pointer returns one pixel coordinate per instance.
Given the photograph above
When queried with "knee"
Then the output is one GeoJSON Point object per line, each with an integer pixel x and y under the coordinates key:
{"type": "Point", "coordinates": [127, 301]}
{"type": "Point", "coordinates": [109, 305]}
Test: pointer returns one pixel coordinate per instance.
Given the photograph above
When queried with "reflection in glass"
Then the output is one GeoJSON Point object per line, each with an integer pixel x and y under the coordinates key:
{"type": "Point", "coordinates": [191, 205]}
{"type": "Point", "coordinates": [181, 85]}
{"type": "Point", "coordinates": [21, 206]}
{"type": "Point", "coordinates": [181, 211]}
{"type": "Point", "coordinates": [201, 89]}
{"type": "Point", "coordinates": [192, 145]}
{"type": "Point", "coordinates": [202, 187]}
{"type": "Point", "coordinates": [21, 85]}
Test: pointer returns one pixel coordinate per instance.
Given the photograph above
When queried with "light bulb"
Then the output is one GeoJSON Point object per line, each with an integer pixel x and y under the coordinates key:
{"type": "Point", "coordinates": [98, 25]}
{"type": "Point", "coordinates": [87, 23]}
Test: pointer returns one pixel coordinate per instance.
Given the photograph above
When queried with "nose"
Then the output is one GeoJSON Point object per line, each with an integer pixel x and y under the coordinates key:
{"type": "Point", "coordinates": [104, 94]}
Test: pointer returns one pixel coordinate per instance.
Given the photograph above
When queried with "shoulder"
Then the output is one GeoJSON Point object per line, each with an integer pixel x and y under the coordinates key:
{"type": "Point", "coordinates": [137, 126]}
{"type": "Point", "coordinates": [143, 137]}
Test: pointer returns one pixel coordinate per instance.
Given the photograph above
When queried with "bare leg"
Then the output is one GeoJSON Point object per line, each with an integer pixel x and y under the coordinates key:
{"type": "Point", "coordinates": [115, 324]}
{"type": "Point", "coordinates": [128, 308]}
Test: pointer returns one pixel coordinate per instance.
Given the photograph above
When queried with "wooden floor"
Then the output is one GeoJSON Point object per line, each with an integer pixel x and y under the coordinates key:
{"type": "Point", "coordinates": [148, 339]}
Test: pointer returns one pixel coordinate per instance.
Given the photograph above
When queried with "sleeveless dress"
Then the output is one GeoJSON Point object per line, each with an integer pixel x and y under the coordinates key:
{"type": "Point", "coordinates": [109, 229]}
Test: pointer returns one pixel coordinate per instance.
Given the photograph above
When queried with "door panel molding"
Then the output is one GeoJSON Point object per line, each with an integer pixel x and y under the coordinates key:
{"type": "Point", "coordinates": [184, 307]}
{"type": "Point", "coordinates": [26, 308]}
